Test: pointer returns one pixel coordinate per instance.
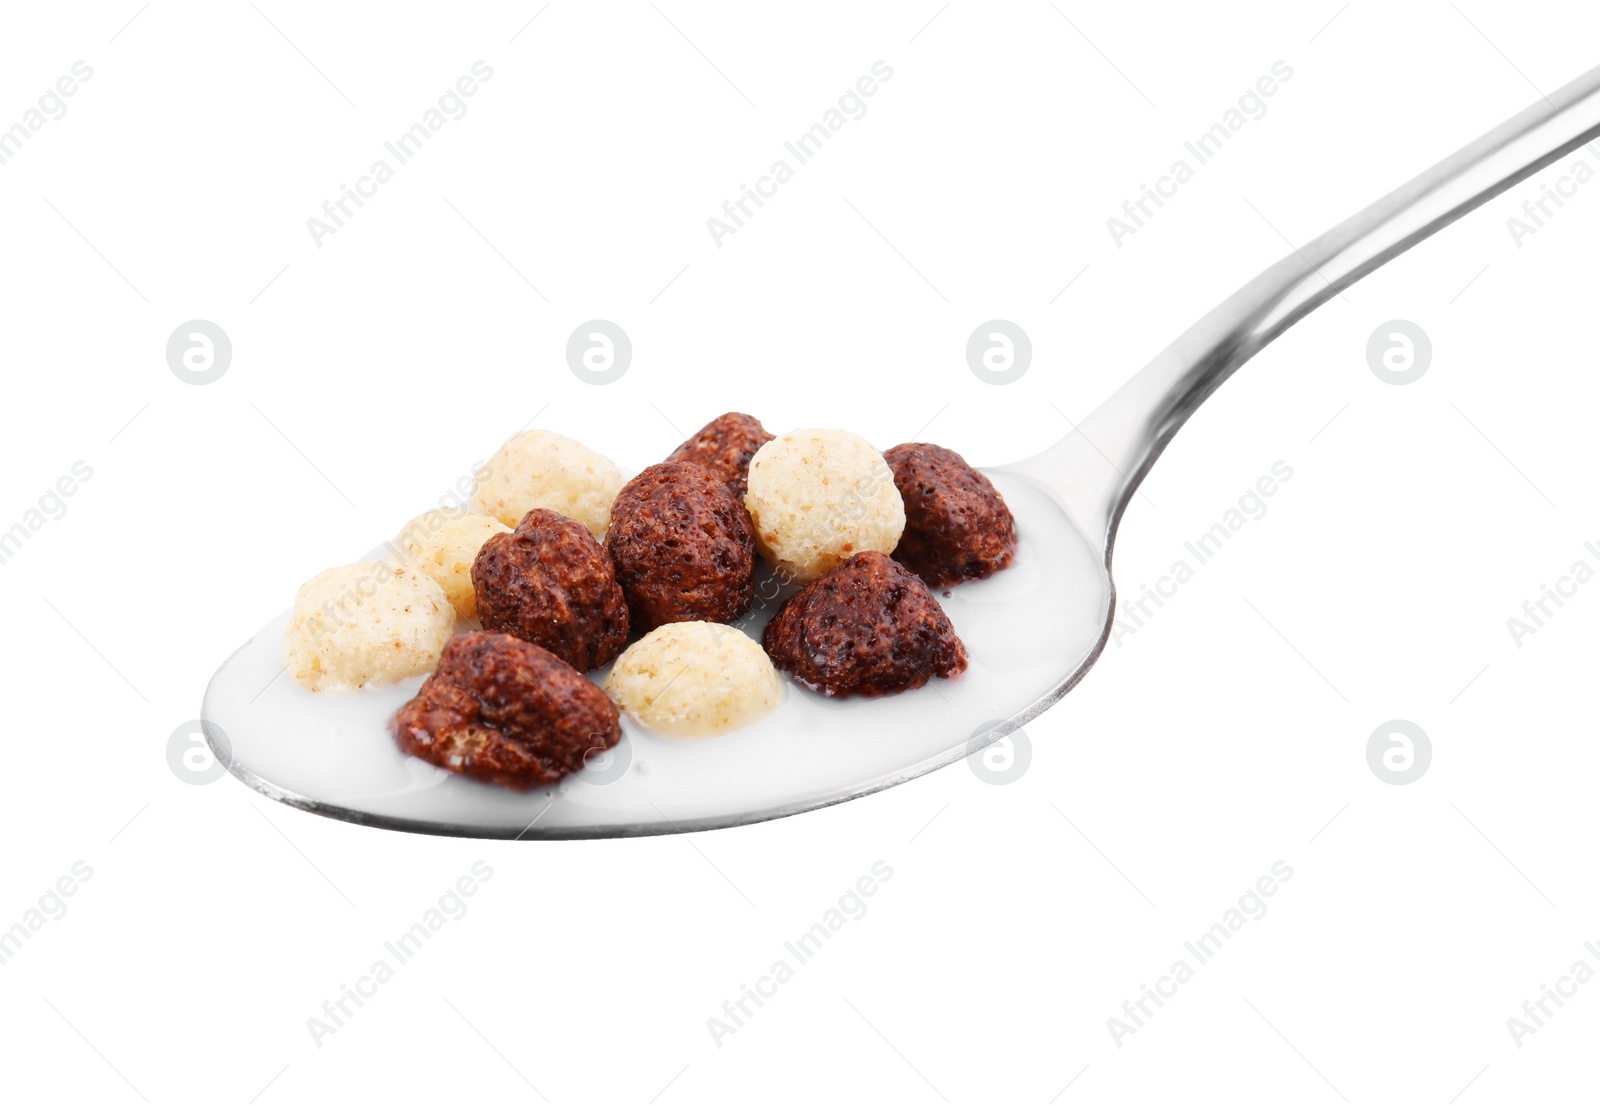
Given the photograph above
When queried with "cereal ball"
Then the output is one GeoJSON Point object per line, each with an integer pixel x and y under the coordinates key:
{"type": "Point", "coordinates": [537, 469]}
{"type": "Point", "coordinates": [442, 544]}
{"type": "Point", "coordinates": [957, 526]}
{"type": "Point", "coordinates": [682, 547]}
{"type": "Point", "coordinates": [694, 678]}
{"type": "Point", "coordinates": [549, 582]}
{"type": "Point", "coordinates": [367, 623]}
{"type": "Point", "coordinates": [817, 497]}
{"type": "Point", "coordinates": [723, 447]}
{"type": "Point", "coordinates": [869, 627]}
{"type": "Point", "coordinates": [505, 712]}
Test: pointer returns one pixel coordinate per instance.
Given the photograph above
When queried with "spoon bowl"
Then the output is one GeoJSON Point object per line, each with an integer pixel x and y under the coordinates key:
{"type": "Point", "coordinates": [1031, 632]}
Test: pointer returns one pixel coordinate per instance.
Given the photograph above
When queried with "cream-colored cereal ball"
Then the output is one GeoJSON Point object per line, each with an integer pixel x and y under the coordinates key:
{"type": "Point", "coordinates": [694, 679]}
{"type": "Point", "coordinates": [817, 497]}
{"type": "Point", "coordinates": [442, 544]}
{"type": "Point", "coordinates": [368, 623]}
{"type": "Point", "coordinates": [537, 468]}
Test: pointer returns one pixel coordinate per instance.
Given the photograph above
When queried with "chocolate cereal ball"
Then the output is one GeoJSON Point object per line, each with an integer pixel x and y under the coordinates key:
{"type": "Point", "coordinates": [549, 582]}
{"type": "Point", "coordinates": [867, 628]}
{"type": "Point", "coordinates": [957, 526]}
{"type": "Point", "coordinates": [682, 547]}
{"type": "Point", "coordinates": [723, 447]}
{"type": "Point", "coordinates": [503, 711]}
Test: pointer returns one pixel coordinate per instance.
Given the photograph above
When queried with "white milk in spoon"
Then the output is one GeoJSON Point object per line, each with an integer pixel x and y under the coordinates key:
{"type": "Point", "coordinates": [1026, 630]}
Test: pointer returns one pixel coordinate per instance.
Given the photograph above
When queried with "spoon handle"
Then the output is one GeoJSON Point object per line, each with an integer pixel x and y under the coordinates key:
{"type": "Point", "coordinates": [1095, 470]}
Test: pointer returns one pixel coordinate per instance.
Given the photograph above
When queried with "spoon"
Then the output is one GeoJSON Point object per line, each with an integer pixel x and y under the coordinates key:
{"type": "Point", "coordinates": [1032, 631]}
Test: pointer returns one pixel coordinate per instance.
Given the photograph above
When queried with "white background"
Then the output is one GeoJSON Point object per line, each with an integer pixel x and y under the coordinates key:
{"type": "Point", "coordinates": [372, 372]}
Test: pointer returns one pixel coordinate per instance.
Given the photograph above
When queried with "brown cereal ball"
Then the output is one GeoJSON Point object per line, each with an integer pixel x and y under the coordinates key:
{"type": "Point", "coordinates": [683, 549]}
{"type": "Point", "coordinates": [867, 628]}
{"type": "Point", "coordinates": [957, 526]}
{"type": "Point", "coordinates": [503, 711]}
{"type": "Point", "coordinates": [549, 582]}
{"type": "Point", "coordinates": [723, 447]}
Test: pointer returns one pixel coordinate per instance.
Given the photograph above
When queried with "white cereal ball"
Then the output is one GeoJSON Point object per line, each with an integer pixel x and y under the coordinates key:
{"type": "Point", "coordinates": [694, 679]}
{"type": "Point", "coordinates": [537, 468]}
{"type": "Point", "coordinates": [817, 497]}
{"type": "Point", "coordinates": [442, 544]}
{"type": "Point", "coordinates": [368, 623]}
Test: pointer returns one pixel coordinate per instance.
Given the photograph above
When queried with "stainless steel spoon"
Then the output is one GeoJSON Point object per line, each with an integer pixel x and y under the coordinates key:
{"type": "Point", "coordinates": [1033, 631]}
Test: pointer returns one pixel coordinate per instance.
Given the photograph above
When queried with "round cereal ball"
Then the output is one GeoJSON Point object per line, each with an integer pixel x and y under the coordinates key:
{"type": "Point", "coordinates": [442, 544]}
{"type": "Point", "coordinates": [549, 582]}
{"type": "Point", "coordinates": [694, 679]}
{"type": "Point", "coordinates": [681, 546]}
{"type": "Point", "coordinates": [957, 526]}
{"type": "Point", "coordinates": [723, 447]}
{"type": "Point", "coordinates": [369, 623]}
{"type": "Point", "coordinates": [817, 497]}
{"type": "Point", "coordinates": [538, 469]}
{"type": "Point", "coordinates": [503, 711]}
{"type": "Point", "coordinates": [870, 627]}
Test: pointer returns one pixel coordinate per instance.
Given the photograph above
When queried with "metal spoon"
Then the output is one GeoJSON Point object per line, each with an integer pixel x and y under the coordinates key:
{"type": "Point", "coordinates": [1033, 631]}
